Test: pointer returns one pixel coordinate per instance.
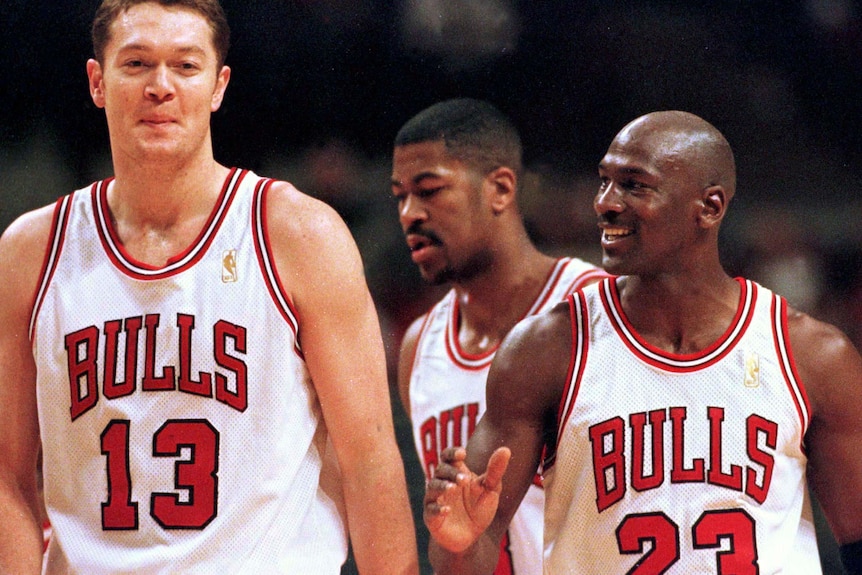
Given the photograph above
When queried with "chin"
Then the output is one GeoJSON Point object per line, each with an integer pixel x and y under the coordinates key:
{"type": "Point", "coordinates": [436, 277]}
{"type": "Point", "coordinates": [618, 267]}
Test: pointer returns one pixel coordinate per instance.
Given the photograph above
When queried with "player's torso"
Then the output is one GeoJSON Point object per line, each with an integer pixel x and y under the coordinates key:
{"type": "Point", "coordinates": [447, 398]}
{"type": "Point", "coordinates": [180, 429]}
{"type": "Point", "coordinates": [680, 464]}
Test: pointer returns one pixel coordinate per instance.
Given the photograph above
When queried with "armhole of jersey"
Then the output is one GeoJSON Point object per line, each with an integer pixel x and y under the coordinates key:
{"type": "Point", "coordinates": [414, 361]}
{"type": "Point", "coordinates": [266, 262]}
{"type": "Point", "coordinates": [426, 320]}
{"type": "Point", "coordinates": [578, 315]}
{"type": "Point", "coordinates": [59, 221]}
{"type": "Point", "coordinates": [788, 364]}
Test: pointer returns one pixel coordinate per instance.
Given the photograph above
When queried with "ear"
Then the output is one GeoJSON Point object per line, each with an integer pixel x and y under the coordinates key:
{"type": "Point", "coordinates": [714, 200]}
{"type": "Point", "coordinates": [97, 86]}
{"type": "Point", "coordinates": [502, 183]}
{"type": "Point", "coordinates": [220, 87]}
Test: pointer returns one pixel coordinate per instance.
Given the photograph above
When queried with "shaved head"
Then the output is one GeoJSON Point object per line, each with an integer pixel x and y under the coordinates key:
{"type": "Point", "coordinates": [683, 141]}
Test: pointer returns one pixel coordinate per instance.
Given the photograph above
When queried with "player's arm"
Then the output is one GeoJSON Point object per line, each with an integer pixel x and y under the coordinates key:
{"type": "Point", "coordinates": [22, 249]}
{"type": "Point", "coordinates": [831, 371]}
{"type": "Point", "coordinates": [406, 356]}
{"type": "Point", "coordinates": [320, 266]}
{"type": "Point", "coordinates": [470, 502]}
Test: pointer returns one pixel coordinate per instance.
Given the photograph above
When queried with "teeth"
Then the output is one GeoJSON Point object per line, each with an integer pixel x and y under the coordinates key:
{"type": "Point", "coordinates": [616, 233]}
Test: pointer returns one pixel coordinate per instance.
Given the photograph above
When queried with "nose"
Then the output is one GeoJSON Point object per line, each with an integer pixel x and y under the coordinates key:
{"type": "Point", "coordinates": [159, 85]}
{"type": "Point", "coordinates": [608, 199]}
{"type": "Point", "coordinates": [411, 210]}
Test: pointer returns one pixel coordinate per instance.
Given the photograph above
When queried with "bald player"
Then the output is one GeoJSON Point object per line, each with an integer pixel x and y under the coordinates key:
{"type": "Point", "coordinates": [682, 413]}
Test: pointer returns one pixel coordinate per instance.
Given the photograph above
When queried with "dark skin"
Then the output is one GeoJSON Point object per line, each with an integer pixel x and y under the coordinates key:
{"type": "Point", "coordinates": [464, 228]}
{"type": "Point", "coordinates": [667, 179]}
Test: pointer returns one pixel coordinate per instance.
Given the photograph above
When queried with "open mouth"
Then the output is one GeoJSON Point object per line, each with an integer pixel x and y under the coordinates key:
{"type": "Point", "coordinates": [614, 233]}
{"type": "Point", "coordinates": [421, 246]}
{"type": "Point", "coordinates": [416, 242]}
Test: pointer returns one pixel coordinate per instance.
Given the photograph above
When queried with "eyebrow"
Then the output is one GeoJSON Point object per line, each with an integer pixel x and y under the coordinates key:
{"type": "Point", "coordinates": [625, 169]}
{"type": "Point", "coordinates": [138, 47]}
{"type": "Point", "coordinates": [417, 179]}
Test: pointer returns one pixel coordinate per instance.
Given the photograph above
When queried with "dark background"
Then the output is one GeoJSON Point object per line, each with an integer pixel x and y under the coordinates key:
{"type": "Point", "coordinates": [320, 87]}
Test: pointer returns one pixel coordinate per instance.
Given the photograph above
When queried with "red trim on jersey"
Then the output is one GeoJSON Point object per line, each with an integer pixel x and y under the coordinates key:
{"type": "Point", "coordinates": [56, 237]}
{"type": "Point", "coordinates": [260, 227]}
{"type": "Point", "coordinates": [781, 338]}
{"type": "Point", "coordinates": [475, 362]}
{"type": "Point", "coordinates": [550, 284]}
{"type": "Point", "coordinates": [469, 361]}
{"type": "Point", "coordinates": [680, 363]}
{"type": "Point", "coordinates": [139, 270]}
{"type": "Point", "coordinates": [588, 277]}
{"type": "Point", "coordinates": [579, 316]}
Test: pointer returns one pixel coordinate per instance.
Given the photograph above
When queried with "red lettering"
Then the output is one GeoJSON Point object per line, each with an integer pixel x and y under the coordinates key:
{"type": "Point", "coordinates": [640, 481]}
{"type": "Point", "coordinates": [428, 439]}
{"type": "Point", "coordinates": [609, 461]}
{"type": "Point", "coordinates": [472, 417]}
{"type": "Point", "coordinates": [457, 426]}
{"type": "Point", "coordinates": [445, 418]}
{"type": "Point", "coordinates": [222, 331]}
{"type": "Point", "coordinates": [505, 565]}
{"type": "Point", "coordinates": [112, 388]}
{"type": "Point", "coordinates": [203, 387]}
{"type": "Point", "coordinates": [81, 352]}
{"type": "Point", "coordinates": [733, 480]}
{"type": "Point", "coordinates": [608, 465]}
{"type": "Point", "coordinates": [83, 356]}
{"type": "Point", "coordinates": [679, 473]}
{"type": "Point", "coordinates": [151, 382]}
{"type": "Point", "coordinates": [756, 427]}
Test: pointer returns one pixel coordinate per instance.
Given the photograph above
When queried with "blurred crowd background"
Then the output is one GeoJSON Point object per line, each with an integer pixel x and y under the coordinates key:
{"type": "Point", "coordinates": [320, 87]}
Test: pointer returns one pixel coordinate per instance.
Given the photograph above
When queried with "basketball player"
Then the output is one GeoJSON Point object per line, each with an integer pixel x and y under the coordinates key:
{"type": "Point", "coordinates": [183, 339]}
{"type": "Point", "coordinates": [455, 173]}
{"type": "Point", "coordinates": [680, 410]}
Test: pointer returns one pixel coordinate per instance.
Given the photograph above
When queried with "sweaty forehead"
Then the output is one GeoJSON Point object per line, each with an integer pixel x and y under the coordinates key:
{"type": "Point", "coordinates": [149, 23]}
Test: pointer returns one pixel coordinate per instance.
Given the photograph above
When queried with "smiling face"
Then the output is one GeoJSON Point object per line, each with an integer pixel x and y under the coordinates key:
{"type": "Point", "coordinates": [650, 201]}
{"type": "Point", "coordinates": [443, 212]}
{"type": "Point", "coordinates": [159, 84]}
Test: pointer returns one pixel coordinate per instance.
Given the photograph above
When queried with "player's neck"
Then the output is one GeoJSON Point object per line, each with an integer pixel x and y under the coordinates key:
{"type": "Point", "coordinates": [492, 303]}
{"type": "Point", "coordinates": [157, 214]}
{"type": "Point", "coordinates": [680, 314]}
{"type": "Point", "coordinates": [159, 195]}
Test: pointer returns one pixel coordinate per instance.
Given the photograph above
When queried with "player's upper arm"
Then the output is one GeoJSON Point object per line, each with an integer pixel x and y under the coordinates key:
{"type": "Point", "coordinates": [830, 369]}
{"type": "Point", "coordinates": [406, 357]}
{"type": "Point", "coordinates": [22, 252]}
{"type": "Point", "coordinates": [523, 392]}
{"type": "Point", "coordinates": [320, 268]}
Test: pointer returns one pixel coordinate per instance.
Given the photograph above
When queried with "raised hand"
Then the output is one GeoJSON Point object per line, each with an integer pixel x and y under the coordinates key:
{"type": "Point", "coordinates": [459, 504]}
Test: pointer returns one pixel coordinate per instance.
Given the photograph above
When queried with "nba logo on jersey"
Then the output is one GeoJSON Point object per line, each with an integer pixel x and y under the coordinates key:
{"type": "Point", "coordinates": [752, 369]}
{"type": "Point", "coordinates": [228, 266]}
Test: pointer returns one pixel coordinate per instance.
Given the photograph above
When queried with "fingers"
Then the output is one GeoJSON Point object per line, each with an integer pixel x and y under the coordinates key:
{"type": "Point", "coordinates": [497, 465]}
{"type": "Point", "coordinates": [449, 472]}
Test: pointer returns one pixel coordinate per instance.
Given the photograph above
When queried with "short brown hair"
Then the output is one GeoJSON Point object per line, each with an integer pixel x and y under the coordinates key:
{"type": "Point", "coordinates": [211, 10]}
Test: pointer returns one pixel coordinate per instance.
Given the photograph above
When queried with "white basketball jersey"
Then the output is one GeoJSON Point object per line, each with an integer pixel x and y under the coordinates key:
{"type": "Point", "coordinates": [680, 464]}
{"type": "Point", "coordinates": [180, 427]}
{"type": "Point", "coordinates": [447, 398]}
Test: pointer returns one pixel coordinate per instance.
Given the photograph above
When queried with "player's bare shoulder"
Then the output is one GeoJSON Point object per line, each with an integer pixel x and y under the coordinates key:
{"type": "Point", "coordinates": [23, 248]}
{"type": "Point", "coordinates": [826, 360]}
{"type": "Point", "coordinates": [314, 251]}
{"type": "Point", "coordinates": [533, 360]}
{"type": "Point", "coordinates": [295, 215]}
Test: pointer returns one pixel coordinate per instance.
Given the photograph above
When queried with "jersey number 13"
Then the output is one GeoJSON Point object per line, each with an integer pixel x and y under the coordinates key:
{"type": "Point", "coordinates": [197, 475]}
